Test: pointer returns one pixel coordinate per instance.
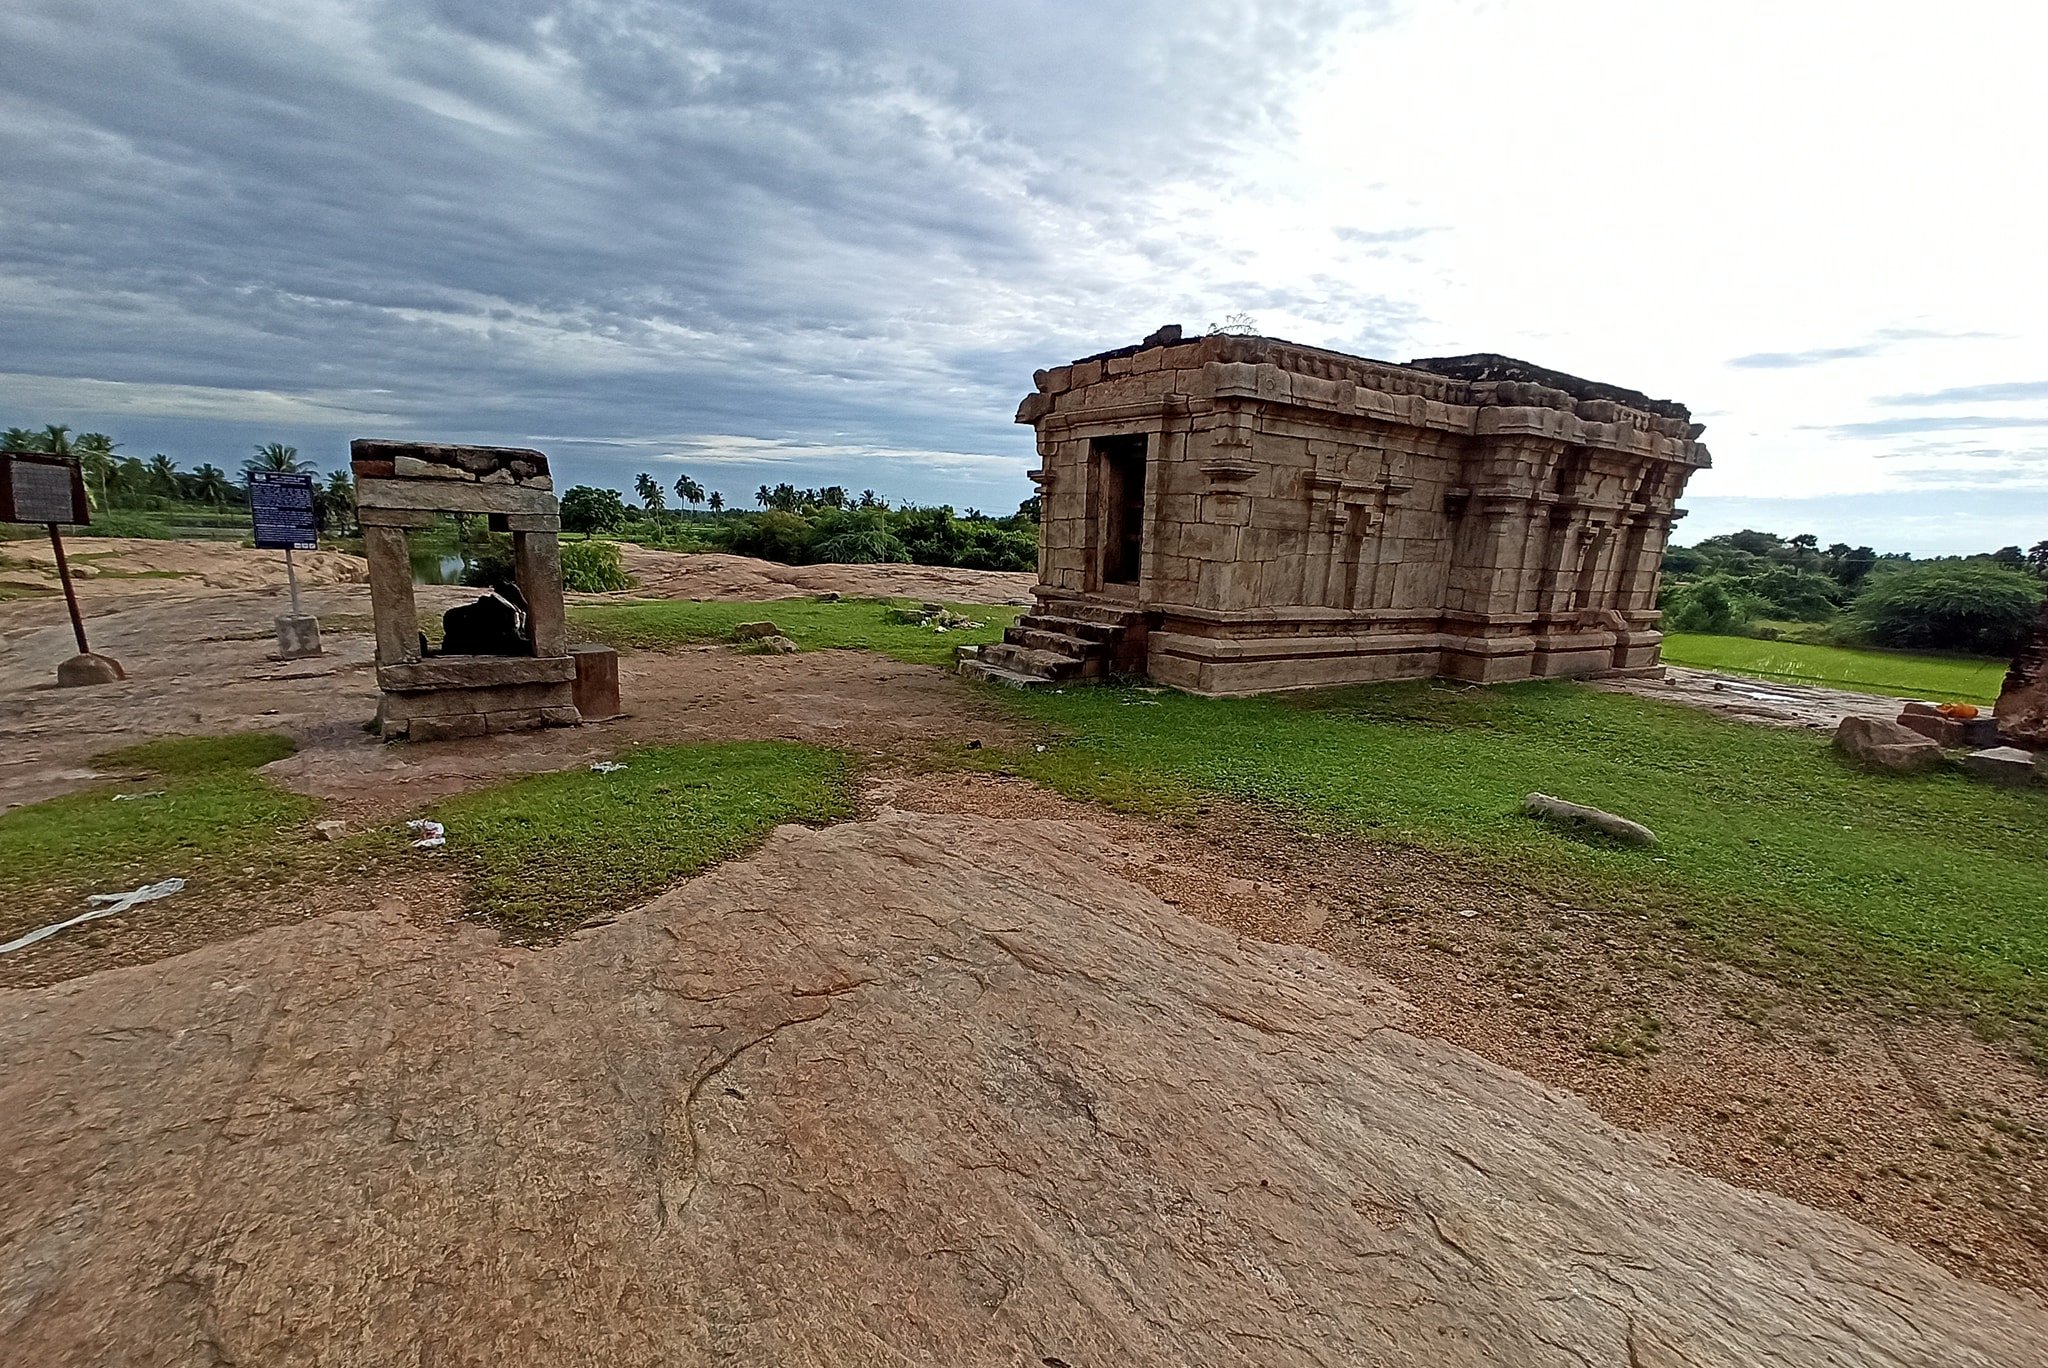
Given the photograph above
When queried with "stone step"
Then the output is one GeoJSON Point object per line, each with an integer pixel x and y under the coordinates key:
{"type": "Point", "coordinates": [1085, 628]}
{"type": "Point", "coordinates": [1022, 659]}
{"type": "Point", "coordinates": [1059, 643]}
{"type": "Point", "coordinates": [1106, 614]}
{"type": "Point", "coordinates": [996, 674]}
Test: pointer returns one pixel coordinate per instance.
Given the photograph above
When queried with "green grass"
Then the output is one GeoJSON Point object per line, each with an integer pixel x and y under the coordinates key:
{"type": "Point", "coordinates": [1953, 679]}
{"type": "Point", "coordinates": [855, 624]}
{"type": "Point", "coordinates": [1781, 855]}
{"type": "Point", "coordinates": [548, 852]}
{"type": "Point", "coordinates": [213, 808]}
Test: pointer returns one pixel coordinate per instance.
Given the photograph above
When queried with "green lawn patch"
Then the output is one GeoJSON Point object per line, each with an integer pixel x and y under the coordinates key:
{"type": "Point", "coordinates": [1773, 848]}
{"type": "Point", "coordinates": [848, 624]}
{"type": "Point", "coordinates": [1944, 679]}
{"type": "Point", "coordinates": [548, 852]}
{"type": "Point", "coordinates": [210, 806]}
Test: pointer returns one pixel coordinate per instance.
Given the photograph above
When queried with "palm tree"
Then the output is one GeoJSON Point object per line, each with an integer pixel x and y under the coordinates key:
{"type": "Point", "coordinates": [763, 497]}
{"type": "Point", "coordinates": [163, 473]}
{"type": "Point", "coordinates": [277, 456]}
{"type": "Point", "coordinates": [689, 491]}
{"type": "Point", "coordinates": [650, 498]}
{"type": "Point", "coordinates": [338, 499]}
{"type": "Point", "coordinates": [210, 483]}
{"type": "Point", "coordinates": [95, 452]}
{"type": "Point", "coordinates": [128, 478]}
{"type": "Point", "coordinates": [717, 502]}
{"type": "Point", "coordinates": [19, 439]}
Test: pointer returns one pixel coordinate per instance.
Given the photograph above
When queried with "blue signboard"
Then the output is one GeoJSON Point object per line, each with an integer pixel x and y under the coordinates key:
{"type": "Point", "coordinates": [281, 504]}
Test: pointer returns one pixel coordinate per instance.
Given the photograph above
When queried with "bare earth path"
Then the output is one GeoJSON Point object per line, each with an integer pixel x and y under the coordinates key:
{"type": "Point", "coordinates": [908, 1090]}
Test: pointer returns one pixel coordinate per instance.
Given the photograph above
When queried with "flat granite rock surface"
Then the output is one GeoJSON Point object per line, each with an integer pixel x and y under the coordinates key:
{"type": "Point", "coordinates": [918, 1089]}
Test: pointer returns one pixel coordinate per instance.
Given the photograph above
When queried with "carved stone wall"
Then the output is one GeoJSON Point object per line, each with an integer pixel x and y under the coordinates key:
{"type": "Point", "coordinates": [2023, 703]}
{"type": "Point", "coordinates": [1316, 518]}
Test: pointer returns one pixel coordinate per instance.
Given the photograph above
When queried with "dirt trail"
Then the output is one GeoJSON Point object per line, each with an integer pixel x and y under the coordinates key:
{"type": "Point", "coordinates": [915, 1089]}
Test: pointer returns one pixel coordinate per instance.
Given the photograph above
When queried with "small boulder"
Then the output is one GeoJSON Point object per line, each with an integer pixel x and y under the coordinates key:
{"type": "Point", "coordinates": [770, 645]}
{"type": "Point", "coordinates": [1575, 816]}
{"type": "Point", "coordinates": [1881, 744]}
{"type": "Point", "coordinates": [90, 668]}
{"type": "Point", "coordinates": [755, 631]}
{"type": "Point", "coordinates": [330, 830]}
{"type": "Point", "coordinates": [2001, 765]}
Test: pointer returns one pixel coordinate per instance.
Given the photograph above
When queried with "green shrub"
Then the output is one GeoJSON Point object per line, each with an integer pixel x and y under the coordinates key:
{"type": "Point", "coordinates": [856, 537]}
{"type": "Point", "coordinates": [1714, 605]}
{"type": "Point", "coordinates": [593, 567]}
{"type": "Point", "coordinates": [774, 535]}
{"type": "Point", "coordinates": [1979, 607]}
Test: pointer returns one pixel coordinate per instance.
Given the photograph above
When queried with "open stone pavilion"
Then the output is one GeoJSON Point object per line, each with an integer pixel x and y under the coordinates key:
{"type": "Point", "coordinates": [526, 679]}
{"type": "Point", "coordinates": [1234, 514]}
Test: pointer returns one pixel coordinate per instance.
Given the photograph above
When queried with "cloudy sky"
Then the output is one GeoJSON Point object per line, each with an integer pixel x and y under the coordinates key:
{"type": "Point", "coordinates": [828, 241]}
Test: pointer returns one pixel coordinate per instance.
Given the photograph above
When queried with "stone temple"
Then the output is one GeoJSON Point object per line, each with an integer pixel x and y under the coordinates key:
{"type": "Point", "coordinates": [1234, 514]}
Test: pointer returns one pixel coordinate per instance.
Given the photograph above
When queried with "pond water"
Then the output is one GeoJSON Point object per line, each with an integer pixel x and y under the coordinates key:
{"type": "Point", "coordinates": [430, 566]}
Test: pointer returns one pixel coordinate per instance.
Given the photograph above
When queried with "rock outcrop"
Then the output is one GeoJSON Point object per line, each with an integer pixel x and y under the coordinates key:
{"type": "Point", "coordinates": [911, 1090]}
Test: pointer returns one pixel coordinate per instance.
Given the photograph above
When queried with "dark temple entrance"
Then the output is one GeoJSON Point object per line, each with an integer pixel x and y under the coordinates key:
{"type": "Point", "coordinates": [1120, 467]}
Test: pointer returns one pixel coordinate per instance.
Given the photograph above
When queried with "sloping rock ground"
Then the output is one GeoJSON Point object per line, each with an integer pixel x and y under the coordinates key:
{"type": "Point", "coordinates": [713, 575]}
{"type": "Point", "coordinates": [912, 1090]}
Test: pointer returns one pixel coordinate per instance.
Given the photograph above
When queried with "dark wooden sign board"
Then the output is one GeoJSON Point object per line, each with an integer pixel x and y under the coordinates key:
{"type": "Point", "coordinates": [39, 488]}
{"type": "Point", "coordinates": [35, 488]}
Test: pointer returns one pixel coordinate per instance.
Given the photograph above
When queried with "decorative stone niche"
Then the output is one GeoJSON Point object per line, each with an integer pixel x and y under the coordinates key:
{"type": "Point", "coordinates": [509, 668]}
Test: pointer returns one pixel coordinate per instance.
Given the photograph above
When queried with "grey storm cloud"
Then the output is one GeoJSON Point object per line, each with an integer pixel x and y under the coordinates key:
{"type": "Point", "coordinates": [622, 223]}
{"type": "Point", "coordinates": [1881, 341]}
{"type": "Point", "coordinates": [1898, 427]}
{"type": "Point", "coordinates": [2001, 392]}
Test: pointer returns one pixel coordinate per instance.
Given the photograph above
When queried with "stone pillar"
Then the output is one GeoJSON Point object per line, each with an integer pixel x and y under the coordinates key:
{"type": "Point", "coordinates": [537, 564]}
{"type": "Point", "coordinates": [397, 619]}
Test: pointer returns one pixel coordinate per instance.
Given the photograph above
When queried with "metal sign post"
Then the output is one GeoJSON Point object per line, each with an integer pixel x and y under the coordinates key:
{"type": "Point", "coordinates": [281, 505]}
{"type": "Point", "coordinates": [36, 487]}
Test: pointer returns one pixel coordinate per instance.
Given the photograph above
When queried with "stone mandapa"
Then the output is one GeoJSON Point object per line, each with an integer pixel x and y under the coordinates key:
{"type": "Point", "coordinates": [1263, 515]}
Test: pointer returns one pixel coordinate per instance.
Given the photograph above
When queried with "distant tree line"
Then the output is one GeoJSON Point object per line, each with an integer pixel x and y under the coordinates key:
{"type": "Point", "coordinates": [800, 526]}
{"type": "Point", "coordinates": [1752, 583]}
{"type": "Point", "coordinates": [116, 484]}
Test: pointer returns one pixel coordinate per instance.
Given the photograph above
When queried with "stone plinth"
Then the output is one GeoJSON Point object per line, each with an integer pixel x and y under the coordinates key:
{"type": "Point", "coordinates": [1271, 516]}
{"type": "Point", "coordinates": [402, 486]}
{"type": "Point", "coordinates": [297, 636]}
{"type": "Point", "coordinates": [597, 682]}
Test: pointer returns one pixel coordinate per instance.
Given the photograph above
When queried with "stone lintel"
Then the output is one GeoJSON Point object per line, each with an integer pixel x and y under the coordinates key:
{"type": "Point", "coordinates": [396, 517]}
{"type": "Point", "coordinates": [453, 496]}
{"type": "Point", "coordinates": [520, 465]}
{"type": "Point", "coordinates": [474, 672]}
{"type": "Point", "coordinates": [533, 522]}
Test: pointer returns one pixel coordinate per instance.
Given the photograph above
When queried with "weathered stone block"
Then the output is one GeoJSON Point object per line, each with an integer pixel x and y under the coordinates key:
{"type": "Point", "coordinates": [2001, 765]}
{"type": "Point", "coordinates": [297, 637]}
{"type": "Point", "coordinates": [1882, 744]}
{"type": "Point", "coordinates": [597, 682]}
